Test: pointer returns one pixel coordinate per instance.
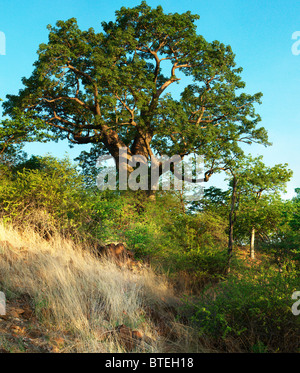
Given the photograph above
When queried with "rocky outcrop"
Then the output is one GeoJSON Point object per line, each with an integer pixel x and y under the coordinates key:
{"type": "Point", "coordinates": [119, 254]}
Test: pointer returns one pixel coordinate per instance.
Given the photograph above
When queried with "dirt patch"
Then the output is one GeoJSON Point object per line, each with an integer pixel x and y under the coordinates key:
{"type": "Point", "coordinates": [20, 330]}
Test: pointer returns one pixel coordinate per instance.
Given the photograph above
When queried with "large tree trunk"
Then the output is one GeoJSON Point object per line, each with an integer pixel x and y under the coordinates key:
{"type": "Point", "coordinates": [122, 155]}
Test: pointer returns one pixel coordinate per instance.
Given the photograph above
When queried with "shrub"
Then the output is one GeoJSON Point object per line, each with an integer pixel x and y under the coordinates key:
{"type": "Point", "coordinates": [250, 313]}
{"type": "Point", "coordinates": [45, 192]}
{"type": "Point", "coordinates": [191, 243]}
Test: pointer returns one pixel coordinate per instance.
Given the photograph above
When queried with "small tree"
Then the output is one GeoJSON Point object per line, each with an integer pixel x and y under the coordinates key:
{"type": "Point", "coordinates": [250, 178]}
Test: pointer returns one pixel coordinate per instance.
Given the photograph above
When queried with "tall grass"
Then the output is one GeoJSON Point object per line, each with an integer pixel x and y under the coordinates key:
{"type": "Point", "coordinates": [87, 298]}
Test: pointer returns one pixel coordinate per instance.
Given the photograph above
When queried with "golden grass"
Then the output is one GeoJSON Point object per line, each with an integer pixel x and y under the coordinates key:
{"type": "Point", "coordinates": [87, 298]}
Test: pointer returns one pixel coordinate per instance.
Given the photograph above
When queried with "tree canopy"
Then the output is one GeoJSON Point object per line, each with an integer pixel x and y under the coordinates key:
{"type": "Point", "coordinates": [112, 88]}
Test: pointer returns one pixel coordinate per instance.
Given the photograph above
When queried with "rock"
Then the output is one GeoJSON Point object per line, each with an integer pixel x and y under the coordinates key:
{"type": "Point", "coordinates": [137, 335]}
{"type": "Point", "coordinates": [116, 251]}
{"type": "Point", "coordinates": [120, 255]}
{"type": "Point", "coordinates": [130, 339]}
{"type": "Point", "coordinates": [19, 311]}
{"type": "Point", "coordinates": [17, 329]}
{"type": "Point", "coordinates": [125, 337]}
{"type": "Point", "coordinates": [15, 312]}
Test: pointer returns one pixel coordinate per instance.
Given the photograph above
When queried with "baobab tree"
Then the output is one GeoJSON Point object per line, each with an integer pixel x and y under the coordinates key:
{"type": "Point", "coordinates": [113, 89]}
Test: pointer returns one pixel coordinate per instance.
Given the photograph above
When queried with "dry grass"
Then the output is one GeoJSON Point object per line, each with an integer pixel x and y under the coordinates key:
{"type": "Point", "coordinates": [86, 299]}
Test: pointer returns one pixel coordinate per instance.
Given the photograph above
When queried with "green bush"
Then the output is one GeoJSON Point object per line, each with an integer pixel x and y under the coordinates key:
{"type": "Point", "coordinates": [45, 192]}
{"type": "Point", "coordinates": [254, 311]}
{"type": "Point", "coordinates": [51, 194]}
{"type": "Point", "coordinates": [178, 242]}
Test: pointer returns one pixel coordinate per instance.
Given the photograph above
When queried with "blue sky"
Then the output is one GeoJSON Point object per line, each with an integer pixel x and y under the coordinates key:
{"type": "Point", "coordinates": [259, 32]}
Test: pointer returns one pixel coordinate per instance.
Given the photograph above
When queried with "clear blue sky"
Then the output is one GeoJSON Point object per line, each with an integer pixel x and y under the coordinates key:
{"type": "Point", "coordinates": [259, 32]}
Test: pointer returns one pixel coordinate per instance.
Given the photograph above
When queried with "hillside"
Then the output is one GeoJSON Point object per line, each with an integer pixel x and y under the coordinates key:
{"type": "Point", "coordinates": [62, 298]}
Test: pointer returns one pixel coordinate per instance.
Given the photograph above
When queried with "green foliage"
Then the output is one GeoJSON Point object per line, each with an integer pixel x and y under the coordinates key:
{"type": "Point", "coordinates": [295, 212]}
{"type": "Point", "coordinates": [265, 215]}
{"type": "Point", "coordinates": [259, 203]}
{"type": "Point", "coordinates": [253, 309]}
{"type": "Point", "coordinates": [109, 89]}
{"type": "Point", "coordinates": [13, 134]}
{"type": "Point", "coordinates": [202, 239]}
{"type": "Point", "coordinates": [45, 189]}
{"type": "Point", "coordinates": [250, 308]}
{"type": "Point", "coordinates": [256, 177]}
{"type": "Point", "coordinates": [284, 240]}
{"type": "Point", "coordinates": [159, 230]}
{"type": "Point", "coordinates": [215, 200]}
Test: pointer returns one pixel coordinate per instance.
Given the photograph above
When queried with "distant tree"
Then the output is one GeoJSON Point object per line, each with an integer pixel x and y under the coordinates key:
{"type": "Point", "coordinates": [264, 215]}
{"type": "Point", "coordinates": [295, 220]}
{"type": "Point", "coordinates": [258, 179]}
{"type": "Point", "coordinates": [250, 178]}
{"type": "Point", "coordinates": [214, 200]}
